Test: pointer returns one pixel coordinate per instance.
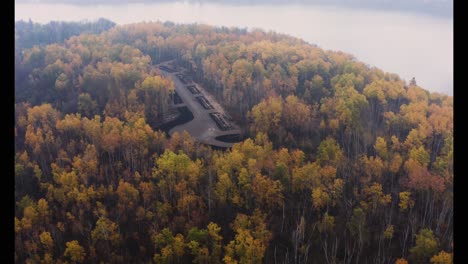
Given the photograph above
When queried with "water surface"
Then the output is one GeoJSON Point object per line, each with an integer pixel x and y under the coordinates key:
{"type": "Point", "coordinates": [411, 45]}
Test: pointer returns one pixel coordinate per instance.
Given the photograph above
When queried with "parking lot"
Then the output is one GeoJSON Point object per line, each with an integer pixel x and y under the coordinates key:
{"type": "Point", "coordinates": [209, 118]}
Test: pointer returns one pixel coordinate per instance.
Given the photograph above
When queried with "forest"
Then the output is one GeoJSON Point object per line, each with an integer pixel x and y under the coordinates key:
{"type": "Point", "coordinates": [340, 162]}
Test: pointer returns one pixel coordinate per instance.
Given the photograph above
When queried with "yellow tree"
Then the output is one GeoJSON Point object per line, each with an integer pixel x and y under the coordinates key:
{"type": "Point", "coordinates": [251, 240]}
{"type": "Point", "coordinates": [442, 258]}
{"type": "Point", "coordinates": [128, 197]}
{"type": "Point", "coordinates": [401, 261]}
{"type": "Point", "coordinates": [268, 193]}
{"type": "Point", "coordinates": [172, 169]}
{"type": "Point", "coordinates": [105, 237]}
{"type": "Point", "coordinates": [75, 252]}
{"type": "Point", "coordinates": [267, 115]}
{"type": "Point", "coordinates": [170, 248]}
{"type": "Point", "coordinates": [374, 197]}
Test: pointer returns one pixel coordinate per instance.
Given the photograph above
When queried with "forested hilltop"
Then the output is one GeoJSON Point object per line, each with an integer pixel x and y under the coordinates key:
{"type": "Point", "coordinates": [340, 162]}
{"type": "Point", "coordinates": [28, 34]}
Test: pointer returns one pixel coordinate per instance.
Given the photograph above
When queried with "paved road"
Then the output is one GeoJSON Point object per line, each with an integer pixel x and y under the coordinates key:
{"type": "Point", "coordinates": [202, 128]}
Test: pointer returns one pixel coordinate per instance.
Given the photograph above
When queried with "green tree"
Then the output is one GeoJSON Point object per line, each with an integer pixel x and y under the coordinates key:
{"type": "Point", "coordinates": [426, 246]}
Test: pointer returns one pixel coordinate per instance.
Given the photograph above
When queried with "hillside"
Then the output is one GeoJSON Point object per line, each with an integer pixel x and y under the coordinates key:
{"type": "Point", "coordinates": [339, 162]}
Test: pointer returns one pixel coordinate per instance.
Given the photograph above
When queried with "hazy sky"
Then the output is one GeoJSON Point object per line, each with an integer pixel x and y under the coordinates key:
{"type": "Point", "coordinates": [433, 7]}
{"type": "Point", "coordinates": [404, 43]}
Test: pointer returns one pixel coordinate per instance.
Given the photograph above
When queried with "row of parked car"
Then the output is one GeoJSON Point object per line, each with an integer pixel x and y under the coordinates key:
{"type": "Point", "coordinates": [204, 102]}
{"type": "Point", "coordinates": [220, 121]}
{"type": "Point", "coordinates": [165, 68]}
{"type": "Point", "coordinates": [184, 79]}
{"type": "Point", "coordinates": [193, 89]}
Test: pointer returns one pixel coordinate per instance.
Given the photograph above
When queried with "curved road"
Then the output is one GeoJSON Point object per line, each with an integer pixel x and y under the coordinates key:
{"type": "Point", "coordinates": [202, 128]}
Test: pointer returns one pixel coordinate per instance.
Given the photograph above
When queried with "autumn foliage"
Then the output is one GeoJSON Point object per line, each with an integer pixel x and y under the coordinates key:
{"type": "Point", "coordinates": [341, 162]}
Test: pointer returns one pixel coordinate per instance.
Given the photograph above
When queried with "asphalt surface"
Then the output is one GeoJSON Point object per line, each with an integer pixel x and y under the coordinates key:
{"type": "Point", "coordinates": [202, 128]}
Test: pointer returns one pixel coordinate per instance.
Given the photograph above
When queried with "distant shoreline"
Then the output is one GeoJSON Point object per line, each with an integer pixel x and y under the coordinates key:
{"type": "Point", "coordinates": [433, 8]}
{"type": "Point", "coordinates": [378, 43]}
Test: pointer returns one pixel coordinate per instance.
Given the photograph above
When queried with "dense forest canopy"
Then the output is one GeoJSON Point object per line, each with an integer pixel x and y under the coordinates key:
{"type": "Point", "coordinates": [28, 34]}
{"type": "Point", "coordinates": [341, 162]}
